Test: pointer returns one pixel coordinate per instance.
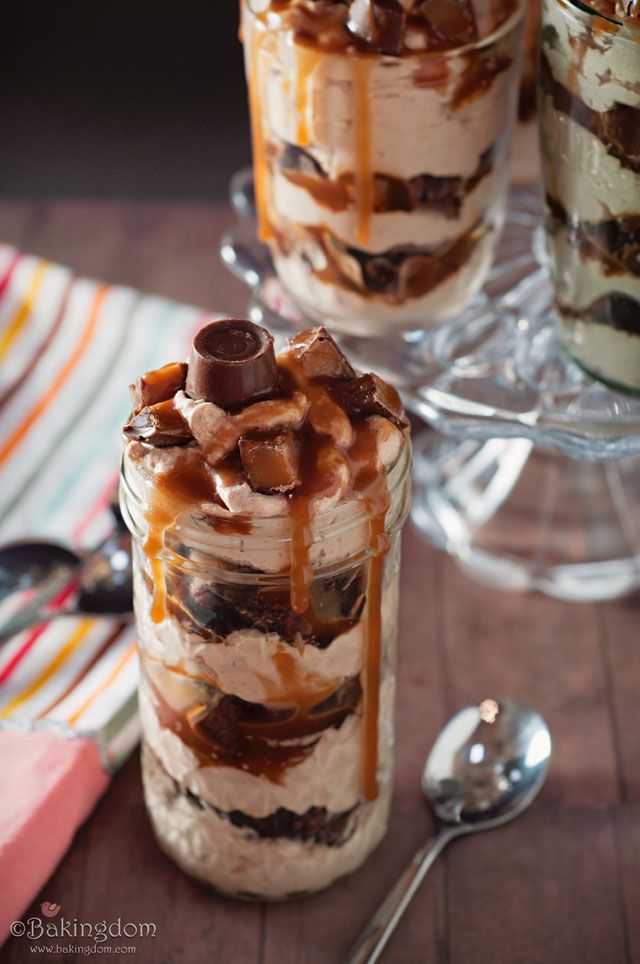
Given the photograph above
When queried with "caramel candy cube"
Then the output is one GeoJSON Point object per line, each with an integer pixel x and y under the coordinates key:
{"type": "Point", "coordinates": [271, 462]}
{"type": "Point", "coordinates": [158, 386]}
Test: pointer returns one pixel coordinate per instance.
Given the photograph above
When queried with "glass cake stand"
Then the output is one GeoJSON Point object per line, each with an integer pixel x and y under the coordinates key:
{"type": "Point", "coordinates": [532, 480]}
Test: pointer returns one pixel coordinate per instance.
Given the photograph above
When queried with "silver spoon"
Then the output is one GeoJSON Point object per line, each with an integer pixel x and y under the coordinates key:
{"type": "Point", "coordinates": [485, 768]}
{"type": "Point", "coordinates": [104, 580]}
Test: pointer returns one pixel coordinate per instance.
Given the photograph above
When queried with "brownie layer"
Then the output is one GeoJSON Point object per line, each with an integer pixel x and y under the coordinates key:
{"type": "Point", "coordinates": [444, 195]}
{"type": "Point", "coordinates": [613, 242]}
{"type": "Point", "coordinates": [216, 609]}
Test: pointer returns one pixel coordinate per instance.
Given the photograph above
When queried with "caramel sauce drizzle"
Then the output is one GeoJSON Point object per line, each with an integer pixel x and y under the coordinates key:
{"type": "Point", "coordinates": [364, 179]}
{"type": "Point", "coordinates": [170, 494]}
{"type": "Point", "coordinates": [369, 481]}
{"type": "Point", "coordinates": [252, 754]}
{"type": "Point", "coordinates": [369, 484]}
{"type": "Point", "coordinates": [264, 747]}
{"type": "Point", "coordinates": [307, 60]}
{"type": "Point", "coordinates": [260, 164]}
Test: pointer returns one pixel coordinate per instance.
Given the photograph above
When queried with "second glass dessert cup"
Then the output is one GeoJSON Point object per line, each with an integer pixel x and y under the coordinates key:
{"type": "Point", "coordinates": [590, 139]}
{"type": "Point", "coordinates": [267, 735]}
{"type": "Point", "coordinates": [380, 179]}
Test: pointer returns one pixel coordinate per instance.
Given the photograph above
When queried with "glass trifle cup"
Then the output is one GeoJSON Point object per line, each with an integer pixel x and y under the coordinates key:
{"type": "Point", "coordinates": [590, 137]}
{"type": "Point", "coordinates": [266, 531]}
{"type": "Point", "coordinates": [381, 134]}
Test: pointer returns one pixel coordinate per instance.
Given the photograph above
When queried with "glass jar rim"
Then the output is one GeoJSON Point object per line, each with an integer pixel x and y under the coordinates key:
{"type": "Point", "coordinates": [587, 16]}
{"type": "Point", "coordinates": [515, 18]}
{"type": "Point", "coordinates": [270, 531]}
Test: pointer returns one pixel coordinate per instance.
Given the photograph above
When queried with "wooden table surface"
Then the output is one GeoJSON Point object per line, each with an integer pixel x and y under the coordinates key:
{"type": "Point", "coordinates": [561, 884]}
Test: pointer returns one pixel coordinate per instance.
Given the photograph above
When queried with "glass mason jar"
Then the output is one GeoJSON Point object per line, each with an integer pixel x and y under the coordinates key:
{"type": "Point", "coordinates": [380, 180]}
{"type": "Point", "coordinates": [590, 137]}
{"type": "Point", "coordinates": [267, 735]}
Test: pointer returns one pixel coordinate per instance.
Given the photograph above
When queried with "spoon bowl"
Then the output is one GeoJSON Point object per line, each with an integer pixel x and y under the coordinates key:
{"type": "Point", "coordinates": [103, 580]}
{"type": "Point", "coordinates": [27, 565]}
{"type": "Point", "coordinates": [487, 765]}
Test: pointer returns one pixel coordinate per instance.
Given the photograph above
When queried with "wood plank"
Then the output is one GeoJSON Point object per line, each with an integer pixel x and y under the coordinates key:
{"type": "Point", "coordinates": [627, 827]}
{"type": "Point", "coordinates": [18, 221]}
{"type": "Point", "coordinates": [545, 888]}
{"type": "Point", "coordinates": [167, 249]}
{"type": "Point", "coordinates": [621, 639]}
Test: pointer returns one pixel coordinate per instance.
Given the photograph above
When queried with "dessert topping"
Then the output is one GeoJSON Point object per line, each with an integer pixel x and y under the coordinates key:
{"type": "Point", "coordinates": [379, 22]}
{"type": "Point", "coordinates": [271, 462]}
{"type": "Point", "coordinates": [369, 395]}
{"type": "Point", "coordinates": [158, 386]}
{"type": "Point", "coordinates": [319, 355]}
{"type": "Point", "coordinates": [452, 21]}
{"type": "Point", "coordinates": [232, 362]}
{"type": "Point", "coordinates": [160, 424]}
{"type": "Point", "coordinates": [218, 433]}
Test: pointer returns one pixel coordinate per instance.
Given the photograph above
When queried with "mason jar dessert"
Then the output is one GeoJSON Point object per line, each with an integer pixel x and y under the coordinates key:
{"type": "Point", "coordinates": [265, 495]}
{"type": "Point", "coordinates": [381, 132]}
{"type": "Point", "coordinates": [590, 135]}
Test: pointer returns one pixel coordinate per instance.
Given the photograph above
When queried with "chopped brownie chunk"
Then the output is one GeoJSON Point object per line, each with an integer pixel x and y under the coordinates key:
{"type": "Point", "coordinates": [452, 21]}
{"type": "Point", "coordinates": [160, 424]}
{"type": "Point", "coordinates": [317, 825]}
{"type": "Point", "coordinates": [369, 395]}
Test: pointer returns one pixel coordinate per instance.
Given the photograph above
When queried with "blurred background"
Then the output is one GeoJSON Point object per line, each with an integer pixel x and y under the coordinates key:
{"type": "Point", "coordinates": [139, 99]}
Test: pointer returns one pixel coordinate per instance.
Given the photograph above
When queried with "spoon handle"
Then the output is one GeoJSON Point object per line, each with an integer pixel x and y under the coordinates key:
{"type": "Point", "coordinates": [373, 938]}
{"type": "Point", "coordinates": [35, 612]}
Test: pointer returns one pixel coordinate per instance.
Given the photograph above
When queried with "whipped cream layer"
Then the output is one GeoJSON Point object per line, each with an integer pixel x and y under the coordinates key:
{"type": "Point", "coordinates": [433, 126]}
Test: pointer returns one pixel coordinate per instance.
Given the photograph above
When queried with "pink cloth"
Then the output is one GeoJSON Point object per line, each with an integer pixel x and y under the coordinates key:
{"type": "Point", "coordinates": [48, 787]}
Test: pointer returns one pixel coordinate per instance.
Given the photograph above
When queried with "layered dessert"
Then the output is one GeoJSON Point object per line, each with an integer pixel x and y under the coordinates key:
{"type": "Point", "coordinates": [590, 131]}
{"type": "Point", "coordinates": [265, 494]}
{"type": "Point", "coordinates": [381, 131]}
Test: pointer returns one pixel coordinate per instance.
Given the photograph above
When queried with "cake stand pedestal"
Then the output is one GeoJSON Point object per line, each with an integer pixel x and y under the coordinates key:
{"type": "Point", "coordinates": [532, 480]}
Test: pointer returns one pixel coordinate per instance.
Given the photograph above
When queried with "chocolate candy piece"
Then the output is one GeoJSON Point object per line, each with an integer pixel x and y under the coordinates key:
{"type": "Point", "coordinates": [381, 23]}
{"type": "Point", "coordinates": [369, 395]}
{"type": "Point", "coordinates": [160, 425]}
{"type": "Point", "coordinates": [232, 362]}
{"type": "Point", "coordinates": [158, 385]}
{"type": "Point", "coordinates": [390, 22]}
{"type": "Point", "coordinates": [320, 356]}
{"type": "Point", "coordinates": [452, 21]}
{"type": "Point", "coordinates": [271, 461]}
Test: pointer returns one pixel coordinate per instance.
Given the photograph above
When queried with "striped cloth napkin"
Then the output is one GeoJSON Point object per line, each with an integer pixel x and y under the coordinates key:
{"type": "Point", "coordinates": [69, 347]}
